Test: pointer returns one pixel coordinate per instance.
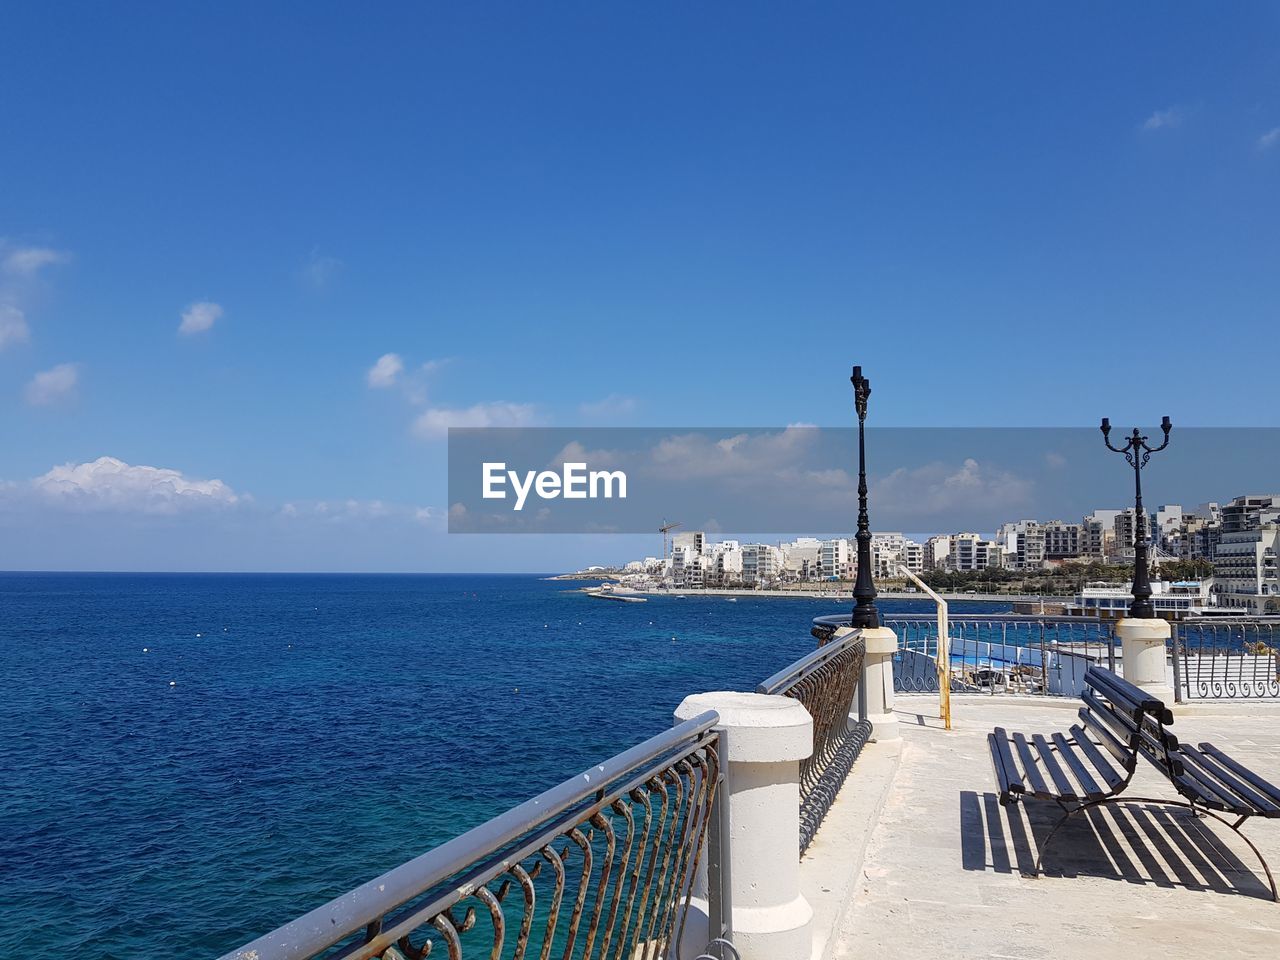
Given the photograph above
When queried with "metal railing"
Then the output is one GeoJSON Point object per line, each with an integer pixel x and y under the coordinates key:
{"type": "Point", "coordinates": [996, 653]}
{"type": "Point", "coordinates": [1228, 659]}
{"type": "Point", "coordinates": [1002, 653]}
{"type": "Point", "coordinates": [601, 867]}
{"type": "Point", "coordinates": [826, 682]}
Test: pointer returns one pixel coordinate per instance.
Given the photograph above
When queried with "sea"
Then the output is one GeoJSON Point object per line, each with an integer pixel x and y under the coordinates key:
{"type": "Point", "coordinates": [188, 761]}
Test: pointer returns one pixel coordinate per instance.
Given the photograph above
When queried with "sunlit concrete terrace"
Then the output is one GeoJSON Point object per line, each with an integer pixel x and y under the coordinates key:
{"type": "Point", "coordinates": [918, 858]}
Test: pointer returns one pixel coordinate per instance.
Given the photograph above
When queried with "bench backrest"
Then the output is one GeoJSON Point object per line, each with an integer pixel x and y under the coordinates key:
{"type": "Point", "coordinates": [1128, 721]}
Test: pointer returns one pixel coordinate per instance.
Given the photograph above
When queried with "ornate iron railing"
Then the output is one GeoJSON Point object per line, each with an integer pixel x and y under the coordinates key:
{"type": "Point", "coordinates": [599, 868]}
{"type": "Point", "coordinates": [1227, 659]}
{"type": "Point", "coordinates": [996, 653]}
{"type": "Point", "coordinates": [826, 682]}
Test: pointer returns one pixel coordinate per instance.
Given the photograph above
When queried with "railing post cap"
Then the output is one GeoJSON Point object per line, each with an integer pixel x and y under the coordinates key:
{"type": "Point", "coordinates": [1133, 628]}
{"type": "Point", "coordinates": [880, 640]}
{"type": "Point", "coordinates": [762, 728]}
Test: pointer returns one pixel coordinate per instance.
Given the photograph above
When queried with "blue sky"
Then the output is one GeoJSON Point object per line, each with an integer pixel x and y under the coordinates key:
{"type": "Point", "coordinates": [573, 214]}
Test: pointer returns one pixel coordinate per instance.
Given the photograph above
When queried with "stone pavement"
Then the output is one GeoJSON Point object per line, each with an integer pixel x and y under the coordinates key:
{"type": "Point", "coordinates": [940, 874]}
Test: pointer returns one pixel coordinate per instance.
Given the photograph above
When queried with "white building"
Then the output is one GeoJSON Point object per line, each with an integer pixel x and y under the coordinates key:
{"type": "Point", "coordinates": [694, 540]}
{"type": "Point", "coordinates": [725, 566]}
{"type": "Point", "coordinates": [800, 558]}
{"type": "Point", "coordinates": [1062, 541]}
{"type": "Point", "coordinates": [971, 551]}
{"type": "Point", "coordinates": [835, 559]}
{"type": "Point", "coordinates": [1245, 569]}
{"type": "Point", "coordinates": [1169, 520]}
{"type": "Point", "coordinates": [889, 550]}
{"type": "Point", "coordinates": [937, 550]}
{"type": "Point", "coordinates": [761, 563]}
{"type": "Point", "coordinates": [1098, 535]}
{"type": "Point", "coordinates": [688, 570]}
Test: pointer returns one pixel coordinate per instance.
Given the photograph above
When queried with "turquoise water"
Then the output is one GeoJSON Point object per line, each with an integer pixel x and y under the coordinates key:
{"type": "Point", "coordinates": [191, 760]}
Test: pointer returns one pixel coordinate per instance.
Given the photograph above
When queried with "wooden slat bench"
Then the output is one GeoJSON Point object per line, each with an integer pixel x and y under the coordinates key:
{"type": "Point", "coordinates": [1096, 760]}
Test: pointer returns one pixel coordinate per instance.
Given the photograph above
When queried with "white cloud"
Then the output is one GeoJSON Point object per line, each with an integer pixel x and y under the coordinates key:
{"type": "Point", "coordinates": [111, 484]}
{"type": "Point", "coordinates": [436, 421]}
{"type": "Point", "coordinates": [199, 317]}
{"type": "Point", "coordinates": [28, 261]}
{"type": "Point", "coordinates": [614, 405]}
{"type": "Point", "coordinates": [13, 325]}
{"type": "Point", "coordinates": [319, 271]}
{"type": "Point", "coordinates": [386, 371]}
{"type": "Point", "coordinates": [53, 385]}
{"type": "Point", "coordinates": [1269, 139]}
{"type": "Point", "coordinates": [944, 490]}
{"type": "Point", "coordinates": [1163, 120]}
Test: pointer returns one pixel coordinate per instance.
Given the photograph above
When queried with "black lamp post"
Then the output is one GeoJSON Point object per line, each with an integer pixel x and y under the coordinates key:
{"type": "Point", "coordinates": [1137, 452]}
{"type": "Point", "coordinates": [864, 613]}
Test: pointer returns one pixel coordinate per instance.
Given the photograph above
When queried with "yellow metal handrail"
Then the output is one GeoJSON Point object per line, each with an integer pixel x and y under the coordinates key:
{"type": "Point", "coordinates": [944, 647]}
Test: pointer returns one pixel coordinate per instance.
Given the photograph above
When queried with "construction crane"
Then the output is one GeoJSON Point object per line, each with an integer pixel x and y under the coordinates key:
{"type": "Point", "coordinates": [665, 530]}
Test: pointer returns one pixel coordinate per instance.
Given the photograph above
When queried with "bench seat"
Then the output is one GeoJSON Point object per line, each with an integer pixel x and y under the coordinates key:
{"type": "Point", "coordinates": [1216, 780]}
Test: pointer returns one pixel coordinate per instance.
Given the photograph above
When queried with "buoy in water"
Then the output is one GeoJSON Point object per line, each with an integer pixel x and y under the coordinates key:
{"type": "Point", "coordinates": [173, 683]}
{"type": "Point", "coordinates": [146, 649]}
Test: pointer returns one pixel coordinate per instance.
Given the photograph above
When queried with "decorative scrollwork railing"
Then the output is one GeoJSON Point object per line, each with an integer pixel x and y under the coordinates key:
{"type": "Point", "coordinates": [826, 682]}
{"type": "Point", "coordinates": [598, 868]}
{"type": "Point", "coordinates": [1229, 659]}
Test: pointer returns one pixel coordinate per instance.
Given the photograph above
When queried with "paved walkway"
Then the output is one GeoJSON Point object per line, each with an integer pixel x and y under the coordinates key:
{"type": "Point", "coordinates": [940, 877]}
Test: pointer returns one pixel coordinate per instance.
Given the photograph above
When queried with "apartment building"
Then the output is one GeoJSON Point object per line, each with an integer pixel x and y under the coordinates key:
{"type": "Point", "coordinates": [687, 567]}
{"type": "Point", "coordinates": [1062, 541]}
{"type": "Point", "coordinates": [690, 540]}
{"type": "Point", "coordinates": [800, 558]}
{"type": "Point", "coordinates": [761, 563]}
{"type": "Point", "coordinates": [1250, 512]}
{"type": "Point", "coordinates": [1098, 534]}
{"type": "Point", "coordinates": [835, 559]}
{"type": "Point", "coordinates": [937, 551]}
{"type": "Point", "coordinates": [970, 551]}
{"type": "Point", "coordinates": [1245, 568]}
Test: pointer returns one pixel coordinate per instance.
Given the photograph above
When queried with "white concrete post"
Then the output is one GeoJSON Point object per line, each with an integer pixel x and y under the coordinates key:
{"type": "Point", "coordinates": [767, 737]}
{"type": "Point", "coordinates": [1143, 655]}
{"type": "Point", "coordinates": [877, 674]}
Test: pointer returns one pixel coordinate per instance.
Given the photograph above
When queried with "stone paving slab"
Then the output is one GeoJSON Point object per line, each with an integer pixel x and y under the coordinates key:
{"type": "Point", "coordinates": [941, 873]}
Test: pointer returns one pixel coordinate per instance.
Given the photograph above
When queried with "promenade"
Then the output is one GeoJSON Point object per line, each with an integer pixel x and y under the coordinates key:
{"type": "Point", "coordinates": [939, 874]}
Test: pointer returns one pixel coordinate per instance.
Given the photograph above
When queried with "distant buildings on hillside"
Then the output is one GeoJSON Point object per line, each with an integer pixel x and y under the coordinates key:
{"type": "Point", "coordinates": [1241, 539]}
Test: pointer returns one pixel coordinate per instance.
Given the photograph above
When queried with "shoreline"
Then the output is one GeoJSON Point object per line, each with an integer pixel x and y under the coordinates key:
{"type": "Point", "coordinates": [847, 595]}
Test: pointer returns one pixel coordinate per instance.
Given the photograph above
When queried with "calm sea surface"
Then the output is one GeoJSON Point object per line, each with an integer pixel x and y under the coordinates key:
{"type": "Point", "coordinates": [187, 761]}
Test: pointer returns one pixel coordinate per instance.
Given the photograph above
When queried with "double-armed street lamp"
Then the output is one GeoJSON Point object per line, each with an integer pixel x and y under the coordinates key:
{"type": "Point", "coordinates": [1137, 451]}
{"type": "Point", "coordinates": [865, 614]}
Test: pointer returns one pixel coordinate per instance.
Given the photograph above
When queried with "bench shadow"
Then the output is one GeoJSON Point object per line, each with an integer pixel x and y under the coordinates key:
{"type": "Point", "coordinates": [1136, 842]}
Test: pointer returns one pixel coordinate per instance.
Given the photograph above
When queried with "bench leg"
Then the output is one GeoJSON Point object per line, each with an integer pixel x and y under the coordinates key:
{"type": "Point", "coordinates": [1088, 805]}
{"type": "Point", "coordinates": [1195, 812]}
{"type": "Point", "coordinates": [1261, 859]}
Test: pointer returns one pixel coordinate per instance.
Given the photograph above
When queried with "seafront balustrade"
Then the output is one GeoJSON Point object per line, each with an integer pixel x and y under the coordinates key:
{"type": "Point", "coordinates": [827, 683]}
{"type": "Point", "coordinates": [633, 858]}
{"type": "Point", "coordinates": [598, 867]}
{"type": "Point", "coordinates": [1227, 659]}
{"type": "Point", "coordinates": [996, 653]}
